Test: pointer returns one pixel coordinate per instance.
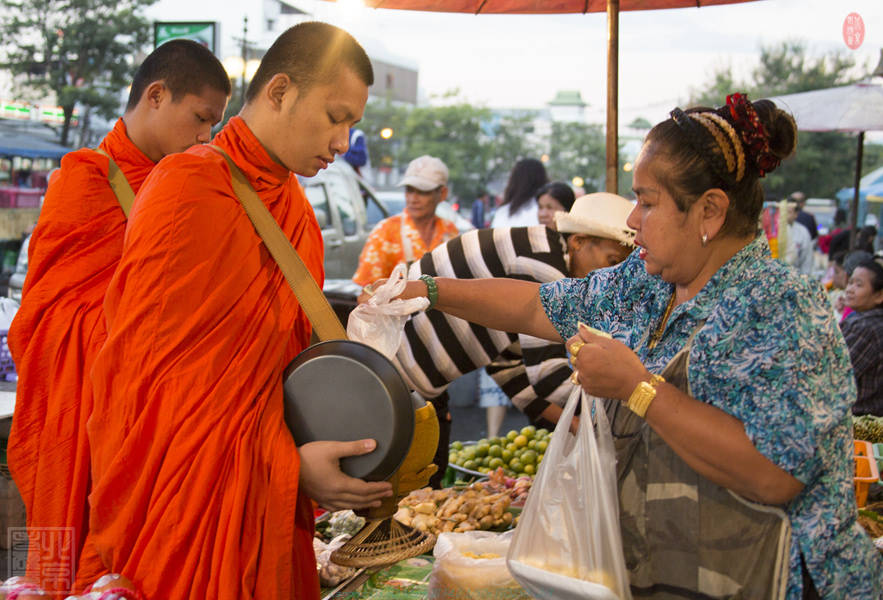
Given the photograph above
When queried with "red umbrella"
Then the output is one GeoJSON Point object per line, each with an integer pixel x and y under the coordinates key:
{"type": "Point", "coordinates": [612, 7]}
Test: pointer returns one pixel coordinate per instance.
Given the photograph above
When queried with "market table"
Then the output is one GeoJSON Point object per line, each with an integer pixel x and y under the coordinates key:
{"type": "Point", "coordinates": [405, 580]}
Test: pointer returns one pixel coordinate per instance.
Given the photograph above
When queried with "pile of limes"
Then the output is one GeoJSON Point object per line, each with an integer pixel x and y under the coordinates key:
{"type": "Point", "coordinates": [518, 452]}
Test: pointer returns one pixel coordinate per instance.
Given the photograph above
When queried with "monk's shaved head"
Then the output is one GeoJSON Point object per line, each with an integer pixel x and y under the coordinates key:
{"type": "Point", "coordinates": [310, 53]}
{"type": "Point", "coordinates": [185, 67]}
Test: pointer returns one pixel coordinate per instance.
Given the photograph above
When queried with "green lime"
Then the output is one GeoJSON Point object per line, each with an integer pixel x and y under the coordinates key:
{"type": "Point", "coordinates": [482, 449]}
{"type": "Point", "coordinates": [543, 432]}
{"type": "Point", "coordinates": [532, 444]}
{"type": "Point", "coordinates": [528, 431]}
{"type": "Point", "coordinates": [511, 435]}
{"type": "Point", "coordinates": [515, 465]}
{"type": "Point", "coordinates": [529, 457]}
{"type": "Point", "coordinates": [529, 469]}
{"type": "Point", "coordinates": [457, 445]}
{"type": "Point", "coordinates": [470, 464]}
{"type": "Point", "coordinates": [486, 461]}
{"type": "Point", "coordinates": [453, 457]}
{"type": "Point", "coordinates": [495, 463]}
{"type": "Point", "coordinates": [541, 446]}
{"type": "Point", "coordinates": [520, 441]}
{"type": "Point", "coordinates": [495, 451]}
{"type": "Point", "coordinates": [507, 455]}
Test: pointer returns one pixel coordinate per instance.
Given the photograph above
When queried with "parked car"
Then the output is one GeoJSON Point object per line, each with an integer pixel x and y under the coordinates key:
{"type": "Point", "coordinates": [394, 201]}
{"type": "Point", "coordinates": [342, 201]}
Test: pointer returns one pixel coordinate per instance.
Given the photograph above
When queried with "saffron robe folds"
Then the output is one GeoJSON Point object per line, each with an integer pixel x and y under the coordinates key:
{"type": "Point", "coordinates": [54, 339]}
{"type": "Point", "coordinates": [195, 473]}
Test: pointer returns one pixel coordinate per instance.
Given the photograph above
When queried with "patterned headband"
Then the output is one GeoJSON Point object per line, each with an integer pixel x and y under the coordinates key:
{"type": "Point", "coordinates": [704, 138]}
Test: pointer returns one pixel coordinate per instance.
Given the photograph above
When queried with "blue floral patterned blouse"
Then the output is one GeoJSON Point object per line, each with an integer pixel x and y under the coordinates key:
{"type": "Point", "coordinates": [770, 354]}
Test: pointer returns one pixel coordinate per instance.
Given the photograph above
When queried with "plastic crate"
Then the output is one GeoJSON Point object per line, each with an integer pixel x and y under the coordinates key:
{"type": "Point", "coordinates": [866, 473]}
{"type": "Point", "coordinates": [863, 448]}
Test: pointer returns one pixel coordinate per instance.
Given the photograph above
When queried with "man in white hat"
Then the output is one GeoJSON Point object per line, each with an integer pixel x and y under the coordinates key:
{"type": "Point", "coordinates": [437, 348]}
{"type": "Point", "coordinates": [409, 235]}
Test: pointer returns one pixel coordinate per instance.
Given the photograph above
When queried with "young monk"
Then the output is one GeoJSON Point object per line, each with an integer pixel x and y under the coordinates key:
{"type": "Point", "coordinates": [199, 491]}
{"type": "Point", "coordinates": [178, 93]}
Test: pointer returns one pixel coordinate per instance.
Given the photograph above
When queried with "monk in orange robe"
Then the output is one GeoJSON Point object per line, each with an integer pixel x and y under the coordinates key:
{"type": "Point", "coordinates": [199, 490]}
{"type": "Point", "coordinates": [179, 91]}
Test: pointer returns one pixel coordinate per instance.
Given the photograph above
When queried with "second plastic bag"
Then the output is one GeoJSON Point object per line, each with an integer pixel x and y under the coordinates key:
{"type": "Point", "coordinates": [568, 544]}
{"type": "Point", "coordinates": [472, 566]}
{"type": "Point", "coordinates": [380, 321]}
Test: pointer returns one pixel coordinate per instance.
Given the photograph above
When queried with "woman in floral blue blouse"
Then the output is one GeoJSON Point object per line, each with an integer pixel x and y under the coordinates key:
{"type": "Point", "coordinates": [728, 382]}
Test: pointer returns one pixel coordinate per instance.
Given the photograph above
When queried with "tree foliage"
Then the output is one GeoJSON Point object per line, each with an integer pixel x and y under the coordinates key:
{"type": "Point", "coordinates": [478, 145]}
{"type": "Point", "coordinates": [825, 161]}
{"type": "Point", "coordinates": [82, 51]}
{"type": "Point", "coordinates": [577, 150]}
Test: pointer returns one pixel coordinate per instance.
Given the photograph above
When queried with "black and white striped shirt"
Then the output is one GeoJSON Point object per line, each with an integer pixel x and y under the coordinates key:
{"type": "Point", "coordinates": [438, 348]}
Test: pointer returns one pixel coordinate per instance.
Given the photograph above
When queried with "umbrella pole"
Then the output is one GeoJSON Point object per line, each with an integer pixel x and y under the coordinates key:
{"type": "Point", "coordinates": [853, 210]}
{"type": "Point", "coordinates": [612, 172]}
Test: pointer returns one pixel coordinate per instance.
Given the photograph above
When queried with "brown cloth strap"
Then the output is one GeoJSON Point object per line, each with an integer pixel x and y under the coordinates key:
{"type": "Point", "coordinates": [326, 325]}
{"type": "Point", "coordinates": [119, 184]}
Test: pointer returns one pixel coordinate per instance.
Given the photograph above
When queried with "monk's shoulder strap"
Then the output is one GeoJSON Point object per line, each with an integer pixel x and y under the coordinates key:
{"type": "Point", "coordinates": [119, 184]}
{"type": "Point", "coordinates": [325, 323]}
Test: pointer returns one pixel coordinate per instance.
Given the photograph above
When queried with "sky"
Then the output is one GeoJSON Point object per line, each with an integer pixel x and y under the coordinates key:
{"type": "Point", "coordinates": [521, 61]}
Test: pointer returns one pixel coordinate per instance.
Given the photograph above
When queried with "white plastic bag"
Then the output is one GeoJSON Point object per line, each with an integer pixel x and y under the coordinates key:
{"type": "Point", "coordinates": [331, 573]}
{"type": "Point", "coordinates": [8, 308]}
{"type": "Point", "coordinates": [568, 543]}
{"type": "Point", "coordinates": [379, 323]}
{"type": "Point", "coordinates": [472, 566]}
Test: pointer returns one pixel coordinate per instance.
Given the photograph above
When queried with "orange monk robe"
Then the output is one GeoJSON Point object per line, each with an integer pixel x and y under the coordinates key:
{"type": "Point", "coordinates": [55, 336]}
{"type": "Point", "coordinates": [195, 491]}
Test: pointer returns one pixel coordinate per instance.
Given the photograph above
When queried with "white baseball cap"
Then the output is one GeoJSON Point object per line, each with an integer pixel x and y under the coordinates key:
{"type": "Point", "coordinates": [602, 215]}
{"type": "Point", "coordinates": [426, 173]}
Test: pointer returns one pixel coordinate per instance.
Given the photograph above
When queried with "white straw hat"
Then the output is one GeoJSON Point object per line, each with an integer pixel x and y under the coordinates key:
{"type": "Point", "coordinates": [602, 215]}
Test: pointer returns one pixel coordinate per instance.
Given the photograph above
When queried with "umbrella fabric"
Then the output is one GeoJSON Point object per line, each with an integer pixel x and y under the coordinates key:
{"type": "Point", "coordinates": [30, 147]}
{"type": "Point", "coordinates": [857, 107]}
{"type": "Point", "coordinates": [612, 7]}
{"type": "Point", "coordinates": [537, 6]}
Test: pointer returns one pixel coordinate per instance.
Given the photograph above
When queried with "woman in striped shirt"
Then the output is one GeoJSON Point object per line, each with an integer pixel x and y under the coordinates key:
{"type": "Point", "coordinates": [439, 348]}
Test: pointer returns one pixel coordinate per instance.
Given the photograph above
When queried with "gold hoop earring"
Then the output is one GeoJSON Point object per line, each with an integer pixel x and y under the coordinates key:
{"type": "Point", "coordinates": [704, 239]}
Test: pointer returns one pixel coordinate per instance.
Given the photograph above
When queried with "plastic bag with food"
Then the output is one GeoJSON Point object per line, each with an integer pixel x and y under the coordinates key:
{"type": "Point", "coordinates": [472, 566]}
{"type": "Point", "coordinates": [380, 321]}
{"type": "Point", "coordinates": [331, 573]}
{"type": "Point", "coordinates": [568, 545]}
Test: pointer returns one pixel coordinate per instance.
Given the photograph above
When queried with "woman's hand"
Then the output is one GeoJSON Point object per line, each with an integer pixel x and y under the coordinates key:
{"type": "Point", "coordinates": [323, 481]}
{"type": "Point", "coordinates": [413, 289]}
{"type": "Point", "coordinates": [606, 367]}
{"type": "Point", "coordinates": [368, 290]}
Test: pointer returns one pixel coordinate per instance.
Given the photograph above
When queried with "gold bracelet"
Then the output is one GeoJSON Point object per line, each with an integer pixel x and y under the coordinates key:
{"type": "Point", "coordinates": [643, 395]}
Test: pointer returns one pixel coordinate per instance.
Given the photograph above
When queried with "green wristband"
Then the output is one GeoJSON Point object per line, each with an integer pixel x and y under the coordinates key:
{"type": "Point", "coordinates": [431, 289]}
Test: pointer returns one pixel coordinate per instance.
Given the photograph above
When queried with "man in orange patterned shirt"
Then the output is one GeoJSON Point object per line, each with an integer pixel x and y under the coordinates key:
{"type": "Point", "coordinates": [406, 237]}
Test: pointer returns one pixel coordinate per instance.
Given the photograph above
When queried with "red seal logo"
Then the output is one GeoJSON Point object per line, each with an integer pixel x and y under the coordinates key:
{"type": "Point", "coordinates": [853, 30]}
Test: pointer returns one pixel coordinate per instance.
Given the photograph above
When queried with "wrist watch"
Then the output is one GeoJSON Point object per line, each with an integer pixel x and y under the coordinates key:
{"type": "Point", "coordinates": [643, 395]}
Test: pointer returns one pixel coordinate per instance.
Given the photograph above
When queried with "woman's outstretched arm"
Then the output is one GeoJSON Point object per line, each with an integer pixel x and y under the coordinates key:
{"type": "Point", "coordinates": [504, 304]}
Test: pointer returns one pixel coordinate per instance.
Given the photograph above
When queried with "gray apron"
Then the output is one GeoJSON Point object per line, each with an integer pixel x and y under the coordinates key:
{"type": "Point", "coordinates": [684, 536]}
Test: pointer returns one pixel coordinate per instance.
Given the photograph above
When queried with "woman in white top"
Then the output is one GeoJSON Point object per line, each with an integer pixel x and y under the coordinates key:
{"type": "Point", "coordinates": [519, 207]}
